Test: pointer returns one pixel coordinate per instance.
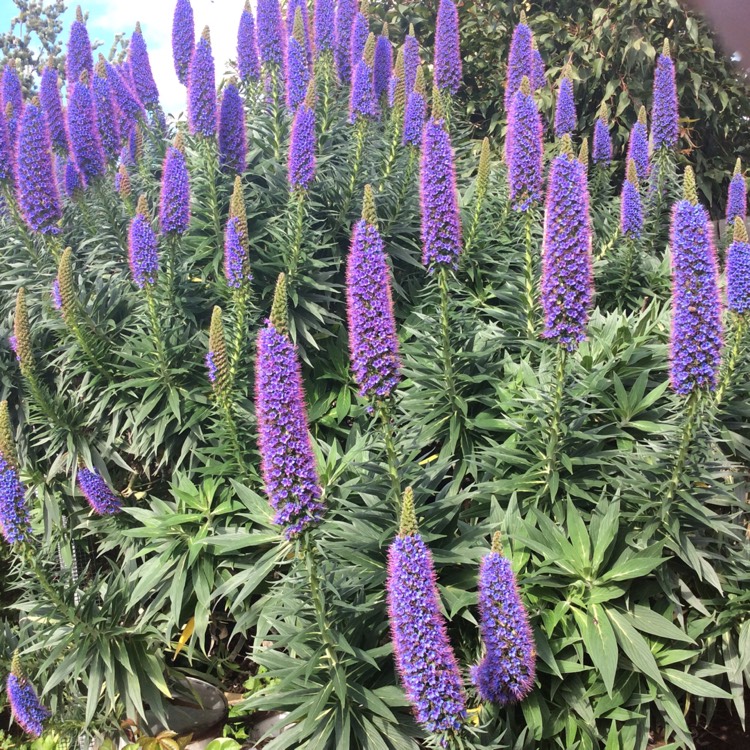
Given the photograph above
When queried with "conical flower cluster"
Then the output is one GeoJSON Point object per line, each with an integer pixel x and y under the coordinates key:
{"type": "Point", "coordinates": [631, 207]}
{"type": "Point", "coordinates": [49, 98]}
{"type": "Point", "coordinates": [324, 18]}
{"type": "Point", "coordinates": [383, 65]}
{"type": "Point", "coordinates": [248, 62]}
{"type": "Point", "coordinates": [447, 48]}
{"type": "Point", "coordinates": [183, 39]}
{"type": "Point", "coordinates": [270, 40]}
{"type": "Point", "coordinates": [345, 12]}
{"type": "Point", "coordinates": [664, 126]}
{"type": "Point", "coordinates": [415, 113]}
{"type": "Point", "coordinates": [14, 515]}
{"type": "Point", "coordinates": [297, 67]}
{"type": "Point", "coordinates": [140, 70]}
{"type": "Point", "coordinates": [174, 207]}
{"type": "Point", "coordinates": [28, 711]}
{"type": "Point", "coordinates": [362, 104]}
{"type": "Point", "coordinates": [738, 270]}
{"type": "Point", "coordinates": [7, 152]}
{"type": "Point", "coordinates": [83, 132]}
{"type": "Point", "coordinates": [638, 146]}
{"type": "Point", "coordinates": [202, 89]}
{"type": "Point", "coordinates": [524, 149]}
{"type": "Point", "coordinates": [411, 60]}
{"type": "Point", "coordinates": [565, 111]}
{"type": "Point", "coordinates": [217, 363]}
{"type": "Point", "coordinates": [143, 253]}
{"type": "Point", "coordinates": [519, 61]}
{"type": "Point", "coordinates": [97, 492]}
{"type": "Point", "coordinates": [12, 94]}
{"type": "Point", "coordinates": [106, 117]}
{"type": "Point", "coordinates": [232, 138]}
{"type": "Point", "coordinates": [737, 196]}
{"type": "Point", "coordinates": [302, 143]}
{"type": "Point", "coordinates": [79, 57]}
{"type": "Point", "coordinates": [602, 151]}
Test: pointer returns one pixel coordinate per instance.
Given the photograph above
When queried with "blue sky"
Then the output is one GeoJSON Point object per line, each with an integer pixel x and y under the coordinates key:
{"type": "Point", "coordinates": [109, 17]}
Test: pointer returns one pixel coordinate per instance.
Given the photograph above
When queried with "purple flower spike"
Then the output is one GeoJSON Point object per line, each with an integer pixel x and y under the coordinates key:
{"type": "Point", "coordinates": [538, 77]}
{"type": "Point", "coordinates": [183, 39]}
{"type": "Point", "coordinates": [416, 109]}
{"type": "Point", "coordinates": [602, 153]}
{"type": "Point", "coordinates": [304, 38]}
{"type": "Point", "coordinates": [631, 207]}
{"type": "Point", "coordinates": [174, 209]}
{"type": "Point", "coordinates": [524, 150]}
{"type": "Point", "coordinates": [143, 254]}
{"type": "Point", "coordinates": [14, 515]}
{"type": "Point", "coordinates": [638, 146]}
{"type": "Point", "coordinates": [73, 181]}
{"type": "Point", "coordinates": [84, 134]}
{"type": "Point", "coordinates": [248, 63]}
{"type": "Point", "coordinates": [424, 658]}
{"type": "Point", "coordinates": [56, 296]}
{"type": "Point", "coordinates": [362, 96]}
{"type": "Point", "coordinates": [664, 125]}
{"type": "Point", "coordinates": [287, 459]}
{"type": "Point", "coordinates": [325, 19]}
{"type": "Point", "coordinates": [36, 188]}
{"type": "Point", "coordinates": [270, 39]}
{"type": "Point", "coordinates": [98, 493]}
{"type": "Point", "coordinates": [232, 139]}
{"type": "Point", "coordinates": [345, 12]}
{"type": "Point", "coordinates": [447, 48]}
{"type": "Point", "coordinates": [28, 711]}
{"type": "Point", "coordinates": [126, 100]}
{"type": "Point", "coordinates": [79, 56]}
{"type": "Point", "coordinates": [360, 32]}
{"type": "Point", "coordinates": [738, 270]}
{"type": "Point", "coordinates": [106, 117]}
{"type": "Point", "coordinates": [737, 196]}
{"type": "Point", "coordinates": [519, 61]}
{"type": "Point", "coordinates": [506, 674]}
{"type": "Point", "coordinates": [236, 262]}
{"type": "Point", "coordinates": [297, 67]}
{"type": "Point", "coordinates": [302, 147]}
{"type": "Point", "coordinates": [411, 61]}
{"type": "Point", "coordinates": [567, 276]}
{"type": "Point", "coordinates": [12, 94]}
{"type": "Point", "coordinates": [49, 97]}
{"type": "Point", "coordinates": [565, 112]}
{"type": "Point", "coordinates": [441, 220]}
{"type": "Point", "coordinates": [7, 152]}
{"type": "Point", "coordinates": [373, 342]}
{"type": "Point", "coordinates": [202, 89]}
{"type": "Point", "coordinates": [696, 340]}
{"type": "Point", "coordinates": [140, 70]}
{"type": "Point", "coordinates": [383, 65]}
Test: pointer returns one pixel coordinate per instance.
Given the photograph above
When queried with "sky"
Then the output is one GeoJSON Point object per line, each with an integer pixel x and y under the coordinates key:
{"type": "Point", "coordinates": [110, 17]}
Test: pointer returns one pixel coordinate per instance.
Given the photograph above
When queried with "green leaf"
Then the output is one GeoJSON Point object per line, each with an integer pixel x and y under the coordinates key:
{"type": "Point", "coordinates": [634, 646]}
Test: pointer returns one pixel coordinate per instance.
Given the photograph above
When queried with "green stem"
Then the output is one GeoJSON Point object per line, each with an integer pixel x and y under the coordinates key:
{"type": "Point", "coordinates": [360, 131]}
{"type": "Point", "coordinates": [18, 220]}
{"type": "Point", "coordinates": [739, 331]}
{"type": "Point", "coordinates": [240, 297]}
{"type": "Point", "coordinates": [689, 431]}
{"type": "Point", "coordinates": [474, 227]}
{"type": "Point", "coordinates": [297, 220]}
{"type": "Point", "coordinates": [231, 427]}
{"type": "Point", "coordinates": [396, 120]}
{"type": "Point", "coordinates": [83, 342]}
{"type": "Point", "coordinates": [629, 259]}
{"type": "Point", "coordinates": [406, 182]}
{"type": "Point", "coordinates": [318, 600]}
{"type": "Point", "coordinates": [529, 277]}
{"type": "Point", "coordinates": [558, 396]}
{"type": "Point", "coordinates": [448, 374]}
{"type": "Point", "coordinates": [390, 451]}
{"type": "Point", "coordinates": [156, 333]}
{"type": "Point", "coordinates": [211, 161]}
{"type": "Point", "coordinates": [325, 66]}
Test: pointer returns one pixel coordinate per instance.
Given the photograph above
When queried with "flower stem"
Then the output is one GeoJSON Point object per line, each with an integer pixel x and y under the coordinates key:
{"type": "Point", "coordinates": [738, 333]}
{"type": "Point", "coordinates": [156, 333]}
{"type": "Point", "coordinates": [390, 451]}
{"type": "Point", "coordinates": [390, 160]}
{"type": "Point", "coordinates": [318, 600]}
{"type": "Point", "coordinates": [18, 220]}
{"type": "Point", "coordinates": [173, 245]}
{"type": "Point", "coordinates": [529, 278]}
{"type": "Point", "coordinates": [211, 166]}
{"type": "Point", "coordinates": [555, 421]}
{"type": "Point", "coordinates": [629, 259]}
{"type": "Point", "coordinates": [448, 374]}
{"type": "Point", "coordinates": [297, 221]}
{"type": "Point", "coordinates": [360, 131]}
{"type": "Point", "coordinates": [240, 297]}
{"type": "Point", "coordinates": [405, 184]}
{"type": "Point", "coordinates": [689, 431]}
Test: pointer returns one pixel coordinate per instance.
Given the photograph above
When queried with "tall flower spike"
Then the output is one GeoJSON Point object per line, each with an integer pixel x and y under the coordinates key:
{"type": "Point", "coordinates": [737, 197]}
{"type": "Point", "coordinates": [174, 208]}
{"type": "Point", "coordinates": [143, 252]}
{"type": "Point", "coordinates": [565, 111]}
{"type": "Point", "coordinates": [97, 492]}
{"type": "Point", "coordinates": [297, 68]}
{"type": "Point", "coordinates": [302, 143]}
{"type": "Point", "coordinates": [424, 658]}
{"type": "Point", "coordinates": [519, 61]}
{"type": "Point", "coordinates": [397, 86]}
{"type": "Point", "coordinates": [232, 139]}
{"type": "Point", "coordinates": [287, 459]}
{"type": "Point", "coordinates": [183, 39]}
{"type": "Point", "coordinates": [567, 276]}
{"type": "Point", "coordinates": [638, 145]}
{"type": "Point", "coordinates": [217, 362]}
{"type": "Point", "coordinates": [664, 125]}
{"type": "Point", "coordinates": [631, 208]}
{"type": "Point", "coordinates": [583, 154]}
{"type": "Point", "coordinates": [22, 336]}
{"type": "Point", "coordinates": [270, 39]}
{"type": "Point", "coordinates": [14, 515]}
{"type": "Point", "coordinates": [7, 152]}
{"type": "Point", "coordinates": [362, 95]}
{"type": "Point", "coordinates": [140, 70]}
{"type": "Point", "coordinates": [524, 149]}
{"type": "Point", "coordinates": [291, 21]}
{"type": "Point", "coordinates": [359, 37]}
{"type": "Point", "coordinates": [66, 286]}
{"type": "Point", "coordinates": [106, 119]}
{"type": "Point", "coordinates": [538, 73]}
{"type": "Point", "coordinates": [382, 65]}
{"type": "Point", "coordinates": [738, 270]}
{"type": "Point", "coordinates": [236, 261]}
{"type": "Point", "coordinates": [82, 129]}
{"type": "Point", "coordinates": [126, 100]}
{"type": "Point", "coordinates": [28, 711]}
{"type": "Point", "coordinates": [602, 153]}
{"type": "Point", "coordinates": [345, 12]}
{"type": "Point", "coordinates": [696, 339]}
{"type": "Point", "coordinates": [416, 111]}
{"type": "Point", "coordinates": [202, 89]}
{"type": "Point", "coordinates": [373, 342]}
{"type": "Point", "coordinates": [73, 182]}
{"type": "Point", "coordinates": [49, 98]}
{"type": "Point", "coordinates": [447, 48]}
{"type": "Point", "coordinates": [411, 60]}
{"type": "Point", "coordinates": [324, 18]}
{"type": "Point", "coordinates": [506, 673]}
{"type": "Point", "coordinates": [79, 57]}
{"type": "Point", "coordinates": [248, 63]}
{"type": "Point", "coordinates": [12, 93]}
{"type": "Point", "coordinates": [36, 188]}
{"type": "Point", "coordinates": [123, 186]}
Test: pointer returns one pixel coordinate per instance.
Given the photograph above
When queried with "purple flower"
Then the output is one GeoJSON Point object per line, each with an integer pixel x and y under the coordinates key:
{"type": "Point", "coordinates": [447, 48]}
{"type": "Point", "coordinates": [362, 96]}
{"type": "Point", "coordinates": [506, 673]}
{"type": "Point", "coordinates": [302, 146]}
{"type": "Point", "coordinates": [183, 39]}
{"type": "Point", "coordinates": [13, 343]}
{"type": "Point", "coordinates": [565, 112]}
{"type": "Point", "coordinates": [602, 153]}
{"type": "Point", "coordinates": [270, 39]}
{"type": "Point", "coordinates": [373, 342]}
{"type": "Point", "coordinates": [140, 70]}
{"type": "Point", "coordinates": [287, 458]}
{"type": "Point", "coordinates": [345, 12]}
{"type": "Point", "coordinates": [126, 100]}
{"type": "Point", "coordinates": [79, 56]}
{"type": "Point", "coordinates": [73, 179]}
{"type": "Point", "coordinates": [638, 148]}
{"type": "Point", "coordinates": [202, 89]}
{"type": "Point", "coordinates": [696, 340]}
{"type": "Point", "coordinates": [49, 97]}
{"type": "Point", "coordinates": [360, 32]}
{"type": "Point", "coordinates": [28, 711]}
{"type": "Point", "coordinates": [143, 254]}
{"type": "Point", "coordinates": [13, 95]}
{"type": "Point", "coordinates": [567, 276]}
{"type": "Point", "coordinates": [737, 196]}
{"type": "Point", "coordinates": [631, 208]}
{"type": "Point", "coordinates": [14, 515]}
{"type": "Point", "coordinates": [324, 18]}
{"type": "Point", "coordinates": [174, 208]}
{"type": "Point", "coordinates": [519, 62]}
{"type": "Point", "coordinates": [55, 294]}
{"type": "Point", "coordinates": [424, 658]}
{"type": "Point", "coordinates": [538, 74]}
{"type": "Point", "coordinates": [232, 142]}
{"type": "Point", "coordinates": [106, 117]}
{"type": "Point", "coordinates": [441, 220]}
{"type": "Point", "coordinates": [36, 188]}
{"type": "Point", "coordinates": [738, 270]}
{"type": "Point", "coordinates": [98, 493]}
{"type": "Point", "coordinates": [291, 20]}
{"type": "Point", "coordinates": [297, 69]}
{"type": "Point", "coordinates": [212, 368]}
{"type": "Point", "coordinates": [411, 62]}
{"type": "Point", "coordinates": [84, 134]}
{"type": "Point", "coordinates": [524, 150]}
{"type": "Point", "coordinates": [248, 64]}
{"type": "Point", "coordinates": [416, 109]}
{"type": "Point", "coordinates": [383, 65]}
{"type": "Point", "coordinates": [236, 262]}
{"type": "Point", "coordinates": [7, 152]}
{"type": "Point", "coordinates": [664, 127]}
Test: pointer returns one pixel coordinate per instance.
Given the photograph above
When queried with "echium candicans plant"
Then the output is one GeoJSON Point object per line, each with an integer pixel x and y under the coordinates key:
{"type": "Point", "coordinates": [565, 109]}
{"type": "Point", "coordinates": [602, 151]}
{"type": "Point", "coordinates": [79, 57]}
{"type": "Point", "coordinates": [638, 145]}
{"type": "Point", "coordinates": [396, 96]}
{"type": "Point", "coordinates": [106, 117]}
{"type": "Point", "coordinates": [140, 70]}
{"type": "Point", "coordinates": [271, 48]}
{"type": "Point", "coordinates": [288, 464]}
{"type": "Point", "coordinates": [128, 104]}
{"type": "Point", "coordinates": [519, 61]}
{"type": "Point", "coordinates": [183, 39]}
{"type": "Point", "coordinates": [382, 66]}
{"type": "Point", "coordinates": [537, 72]}
{"type": "Point", "coordinates": [447, 50]}
{"type": "Point", "coordinates": [664, 114]}
{"type": "Point", "coordinates": [14, 513]}
{"type": "Point", "coordinates": [99, 495]}
{"type": "Point", "coordinates": [174, 205]}
{"type": "Point", "coordinates": [345, 12]}
{"type": "Point", "coordinates": [12, 93]}
{"type": "Point", "coordinates": [506, 672]}
{"type": "Point", "coordinates": [291, 20]}
{"type": "Point", "coordinates": [297, 66]}
{"type": "Point", "coordinates": [202, 89]}
{"type": "Point", "coordinates": [359, 35]}
{"type": "Point", "coordinates": [85, 143]}
{"type": "Point", "coordinates": [248, 61]}
{"type": "Point", "coordinates": [524, 149]}
{"type": "Point", "coordinates": [425, 661]}
{"type": "Point", "coordinates": [411, 59]}
{"type": "Point", "coordinates": [25, 705]}
{"type": "Point", "coordinates": [232, 138]}
{"type": "Point", "coordinates": [482, 183]}
{"type": "Point", "coordinates": [631, 226]}
{"type": "Point", "coordinates": [7, 154]}
{"type": "Point", "coordinates": [324, 67]}
{"type": "Point", "coordinates": [324, 19]}
{"type": "Point", "coordinates": [49, 98]}
{"type": "Point", "coordinates": [737, 196]}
